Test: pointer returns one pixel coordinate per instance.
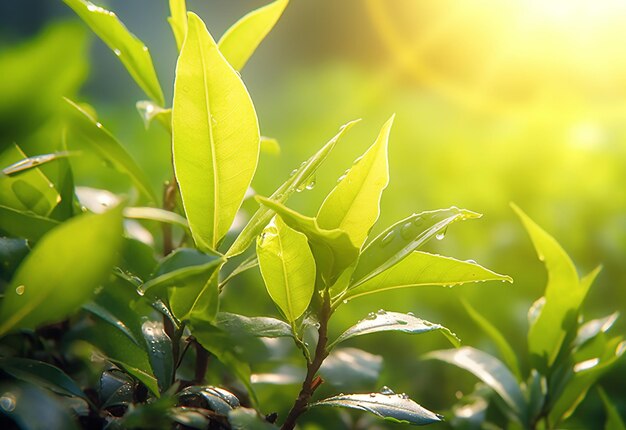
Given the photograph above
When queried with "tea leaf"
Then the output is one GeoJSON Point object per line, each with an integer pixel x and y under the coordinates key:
{"type": "Point", "coordinates": [248, 419]}
{"type": "Point", "coordinates": [404, 237]}
{"type": "Point", "coordinates": [300, 178]}
{"type": "Point", "coordinates": [58, 261]}
{"type": "Point", "coordinates": [33, 162]}
{"type": "Point", "coordinates": [24, 224]}
{"type": "Point", "coordinates": [150, 111]}
{"type": "Point", "coordinates": [42, 374]}
{"type": "Point", "coordinates": [239, 325]}
{"type": "Point", "coordinates": [131, 51]}
{"type": "Point", "coordinates": [159, 353]}
{"type": "Point", "coordinates": [354, 204]}
{"type": "Point", "coordinates": [490, 370]}
{"type": "Point", "coordinates": [156, 214]}
{"type": "Point", "coordinates": [91, 132]}
{"type": "Point", "coordinates": [333, 250]}
{"type": "Point", "coordinates": [215, 136]}
{"type": "Point", "coordinates": [178, 21]}
{"type": "Point", "coordinates": [241, 40]}
{"type": "Point", "coordinates": [288, 268]}
{"type": "Point", "coordinates": [351, 368]}
{"type": "Point", "coordinates": [393, 407]}
{"type": "Point", "coordinates": [563, 296]}
{"type": "Point", "coordinates": [380, 321]}
{"type": "Point", "coordinates": [421, 268]}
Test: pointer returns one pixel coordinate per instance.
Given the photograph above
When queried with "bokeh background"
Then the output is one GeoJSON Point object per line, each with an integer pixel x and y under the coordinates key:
{"type": "Point", "coordinates": [496, 102]}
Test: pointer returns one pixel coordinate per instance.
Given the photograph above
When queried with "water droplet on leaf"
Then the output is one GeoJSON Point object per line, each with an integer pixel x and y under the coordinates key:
{"type": "Point", "coordinates": [387, 391]}
{"type": "Point", "coordinates": [19, 290]}
{"type": "Point", "coordinates": [387, 238]}
{"type": "Point", "coordinates": [8, 402]}
{"type": "Point", "coordinates": [381, 312]}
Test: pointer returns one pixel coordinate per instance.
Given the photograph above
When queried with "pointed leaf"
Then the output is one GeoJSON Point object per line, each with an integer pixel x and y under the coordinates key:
{"type": "Point", "coordinates": [287, 267]}
{"type": "Point", "coordinates": [300, 177]}
{"type": "Point", "coordinates": [241, 40]}
{"type": "Point", "coordinates": [159, 353]}
{"type": "Point", "coordinates": [24, 224]}
{"type": "Point", "coordinates": [239, 325]}
{"type": "Point", "coordinates": [131, 51]}
{"type": "Point", "coordinates": [178, 21]}
{"type": "Point", "coordinates": [156, 214]}
{"type": "Point", "coordinates": [393, 321]}
{"type": "Point", "coordinates": [333, 250]}
{"type": "Point", "coordinates": [58, 261]}
{"type": "Point", "coordinates": [614, 420]}
{"type": "Point", "coordinates": [150, 111]}
{"type": "Point", "coordinates": [490, 370]}
{"type": "Point", "coordinates": [421, 268]}
{"type": "Point", "coordinates": [215, 136]}
{"type": "Point", "coordinates": [508, 355]}
{"type": "Point", "coordinates": [354, 204]}
{"type": "Point", "coordinates": [33, 162]}
{"type": "Point", "coordinates": [563, 297]}
{"type": "Point", "coordinates": [91, 132]}
{"type": "Point", "coordinates": [404, 237]}
{"type": "Point", "coordinates": [393, 407]}
{"type": "Point", "coordinates": [41, 374]}
{"type": "Point", "coordinates": [592, 328]}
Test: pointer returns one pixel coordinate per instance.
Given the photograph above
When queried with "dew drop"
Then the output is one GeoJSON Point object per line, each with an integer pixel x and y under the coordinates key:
{"type": "Point", "coordinates": [341, 178]}
{"type": "Point", "coordinates": [381, 312]}
{"type": "Point", "coordinates": [387, 238]}
{"type": "Point", "coordinates": [371, 316]}
{"type": "Point", "coordinates": [440, 235]}
{"type": "Point", "coordinates": [311, 184]}
{"type": "Point", "coordinates": [356, 160]}
{"type": "Point", "coordinates": [8, 402]}
{"type": "Point", "coordinates": [411, 314]}
{"type": "Point", "coordinates": [372, 394]}
{"type": "Point", "coordinates": [117, 52]}
{"type": "Point", "coordinates": [417, 220]}
{"type": "Point", "coordinates": [19, 290]}
{"type": "Point", "coordinates": [213, 120]}
{"type": "Point", "coordinates": [471, 261]}
{"type": "Point", "coordinates": [345, 301]}
{"type": "Point", "coordinates": [406, 230]}
{"type": "Point", "coordinates": [387, 391]}
{"type": "Point", "coordinates": [293, 172]}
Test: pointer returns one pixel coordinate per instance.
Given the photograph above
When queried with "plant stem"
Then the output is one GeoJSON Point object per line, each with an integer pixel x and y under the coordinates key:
{"type": "Point", "coordinates": [311, 383]}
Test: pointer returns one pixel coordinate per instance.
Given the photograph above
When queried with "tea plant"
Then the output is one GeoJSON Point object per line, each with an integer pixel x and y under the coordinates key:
{"type": "Point", "coordinates": [567, 355]}
{"type": "Point", "coordinates": [125, 338]}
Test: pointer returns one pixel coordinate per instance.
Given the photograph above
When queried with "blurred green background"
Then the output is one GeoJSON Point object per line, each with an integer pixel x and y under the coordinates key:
{"type": "Point", "coordinates": [496, 102]}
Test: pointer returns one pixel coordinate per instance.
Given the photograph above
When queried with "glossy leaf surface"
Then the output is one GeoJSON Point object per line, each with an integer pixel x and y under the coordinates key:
{"type": "Point", "coordinates": [287, 267]}
{"type": "Point", "coordinates": [57, 261]}
{"type": "Point", "coordinates": [354, 204]}
{"type": "Point", "coordinates": [238, 325]}
{"type": "Point", "coordinates": [299, 178]}
{"type": "Point", "coordinates": [42, 374]}
{"type": "Point", "coordinates": [241, 40]}
{"type": "Point", "coordinates": [392, 407]}
{"type": "Point", "coordinates": [421, 268]}
{"type": "Point", "coordinates": [382, 320]}
{"type": "Point", "coordinates": [215, 136]}
{"type": "Point", "coordinates": [131, 51]}
{"type": "Point", "coordinates": [404, 237]}
{"type": "Point", "coordinates": [159, 352]}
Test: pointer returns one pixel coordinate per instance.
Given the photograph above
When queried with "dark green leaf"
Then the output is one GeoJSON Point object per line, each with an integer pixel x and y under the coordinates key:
{"type": "Point", "coordinates": [159, 353]}
{"type": "Point", "coordinates": [386, 404]}
{"type": "Point", "coordinates": [116, 388]}
{"type": "Point", "coordinates": [248, 419]}
{"type": "Point", "coordinates": [382, 320]}
{"type": "Point", "coordinates": [614, 420]}
{"type": "Point", "coordinates": [41, 374]}
{"type": "Point", "coordinates": [12, 252]}
{"type": "Point", "coordinates": [404, 237]}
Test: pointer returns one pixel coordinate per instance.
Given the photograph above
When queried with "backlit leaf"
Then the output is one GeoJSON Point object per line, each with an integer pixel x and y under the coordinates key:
{"type": "Point", "coordinates": [178, 20]}
{"type": "Point", "coordinates": [24, 224]}
{"type": "Point", "coordinates": [354, 204]}
{"type": "Point", "coordinates": [239, 325]}
{"type": "Point", "coordinates": [215, 136]}
{"type": "Point", "coordinates": [131, 51]}
{"type": "Point", "coordinates": [288, 268]}
{"type": "Point", "coordinates": [241, 40]}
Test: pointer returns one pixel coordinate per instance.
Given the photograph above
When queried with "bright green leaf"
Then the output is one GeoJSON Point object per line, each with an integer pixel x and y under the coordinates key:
{"type": "Point", "coordinates": [421, 268]}
{"type": "Point", "coordinates": [354, 204]}
{"type": "Point", "coordinates": [150, 111]}
{"type": "Point", "coordinates": [563, 296]}
{"type": "Point", "coordinates": [131, 51]}
{"type": "Point", "coordinates": [33, 162]}
{"type": "Point", "coordinates": [241, 40]}
{"type": "Point", "coordinates": [178, 20]}
{"type": "Point", "coordinates": [54, 280]}
{"type": "Point", "coordinates": [288, 268]}
{"type": "Point", "coordinates": [215, 136]}
{"type": "Point", "coordinates": [156, 214]}
{"type": "Point", "coordinates": [91, 132]}
{"type": "Point", "coordinates": [404, 237]}
{"type": "Point", "coordinates": [387, 405]}
{"type": "Point", "coordinates": [491, 371]}
{"type": "Point", "coordinates": [300, 177]}
{"type": "Point", "coordinates": [270, 146]}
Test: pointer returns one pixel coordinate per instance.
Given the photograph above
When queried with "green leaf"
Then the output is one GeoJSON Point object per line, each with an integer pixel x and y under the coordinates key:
{"type": "Point", "coordinates": [41, 374]}
{"type": "Point", "coordinates": [491, 371]}
{"type": "Point", "coordinates": [24, 224]}
{"type": "Point", "coordinates": [239, 325]}
{"type": "Point", "coordinates": [159, 353]}
{"type": "Point", "coordinates": [33, 162]}
{"type": "Point", "coordinates": [215, 136]}
{"type": "Point", "coordinates": [30, 191]}
{"type": "Point", "coordinates": [354, 204]}
{"type": "Point", "coordinates": [421, 268]}
{"type": "Point", "coordinates": [131, 51]}
{"type": "Point", "coordinates": [178, 21]}
{"type": "Point", "coordinates": [299, 178]}
{"type": "Point", "coordinates": [382, 320]}
{"type": "Point", "coordinates": [333, 250]}
{"type": "Point", "coordinates": [614, 420]}
{"type": "Point", "coordinates": [508, 355]}
{"type": "Point", "coordinates": [91, 132]}
{"type": "Point", "coordinates": [58, 261]}
{"type": "Point", "coordinates": [591, 329]}
{"type": "Point", "coordinates": [156, 214]}
{"type": "Point", "coordinates": [563, 296]}
{"type": "Point", "coordinates": [404, 237]}
{"type": "Point", "coordinates": [241, 40]}
{"type": "Point", "coordinates": [351, 368]}
{"type": "Point", "coordinates": [287, 267]}
{"type": "Point", "coordinates": [270, 146]}
{"type": "Point", "coordinates": [248, 419]}
{"type": "Point", "coordinates": [150, 111]}
{"type": "Point", "coordinates": [393, 407]}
